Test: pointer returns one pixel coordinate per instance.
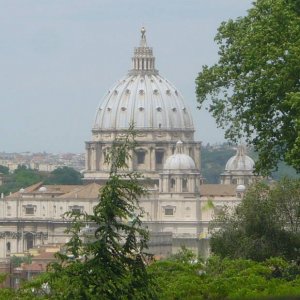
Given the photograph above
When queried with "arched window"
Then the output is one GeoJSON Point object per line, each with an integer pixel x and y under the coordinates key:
{"type": "Point", "coordinates": [184, 185]}
{"type": "Point", "coordinates": [29, 241]}
{"type": "Point", "coordinates": [140, 157]}
{"type": "Point", "coordinates": [8, 247]}
{"type": "Point", "coordinates": [159, 157]}
{"type": "Point", "coordinates": [173, 183]}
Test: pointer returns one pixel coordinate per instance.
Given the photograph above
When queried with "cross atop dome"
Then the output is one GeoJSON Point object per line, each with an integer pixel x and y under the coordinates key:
{"type": "Point", "coordinates": [143, 61]}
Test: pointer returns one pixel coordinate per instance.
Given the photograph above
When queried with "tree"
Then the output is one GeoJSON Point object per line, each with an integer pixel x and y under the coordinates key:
{"type": "Point", "coordinates": [214, 161]}
{"type": "Point", "coordinates": [227, 279]}
{"type": "Point", "coordinates": [110, 263]}
{"type": "Point", "coordinates": [264, 225]}
{"type": "Point", "coordinates": [254, 88]}
{"type": "Point", "coordinates": [4, 170]}
{"type": "Point", "coordinates": [64, 175]}
{"type": "Point", "coordinates": [21, 178]}
{"type": "Point", "coordinates": [16, 261]}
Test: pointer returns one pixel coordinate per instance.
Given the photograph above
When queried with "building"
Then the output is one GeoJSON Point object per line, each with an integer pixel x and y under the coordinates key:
{"type": "Point", "coordinates": [179, 206]}
{"type": "Point", "coordinates": [158, 111]}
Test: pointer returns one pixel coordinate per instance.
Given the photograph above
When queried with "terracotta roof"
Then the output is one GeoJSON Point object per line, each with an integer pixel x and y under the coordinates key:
{"type": "Point", "coordinates": [29, 189]}
{"type": "Point", "coordinates": [44, 256]}
{"type": "Point", "coordinates": [57, 189]}
{"type": "Point", "coordinates": [86, 191]}
{"type": "Point", "coordinates": [60, 188]}
{"type": "Point", "coordinates": [33, 267]}
{"type": "Point", "coordinates": [217, 190]}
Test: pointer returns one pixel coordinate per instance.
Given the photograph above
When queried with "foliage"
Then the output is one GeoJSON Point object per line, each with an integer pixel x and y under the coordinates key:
{"type": "Point", "coordinates": [111, 264]}
{"type": "Point", "coordinates": [214, 161]}
{"type": "Point", "coordinates": [254, 89]}
{"type": "Point", "coordinates": [4, 170]}
{"type": "Point", "coordinates": [16, 261]}
{"type": "Point", "coordinates": [226, 279]}
{"type": "Point", "coordinates": [264, 224]}
{"type": "Point", "coordinates": [185, 255]}
{"type": "Point", "coordinates": [21, 178]}
{"type": "Point", "coordinates": [64, 175]}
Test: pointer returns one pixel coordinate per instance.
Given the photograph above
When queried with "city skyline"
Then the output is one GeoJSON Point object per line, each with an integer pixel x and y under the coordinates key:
{"type": "Point", "coordinates": [58, 60]}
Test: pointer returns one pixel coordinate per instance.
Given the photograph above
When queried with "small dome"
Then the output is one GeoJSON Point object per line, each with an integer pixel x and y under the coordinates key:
{"type": "Point", "coordinates": [240, 161]}
{"type": "Point", "coordinates": [42, 189]}
{"type": "Point", "coordinates": [240, 188]}
{"type": "Point", "coordinates": [22, 190]}
{"type": "Point", "coordinates": [179, 160]}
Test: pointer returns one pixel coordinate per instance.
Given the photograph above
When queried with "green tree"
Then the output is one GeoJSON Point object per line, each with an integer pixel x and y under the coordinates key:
{"type": "Point", "coordinates": [265, 224]}
{"type": "Point", "coordinates": [110, 263]}
{"type": "Point", "coordinates": [16, 261]}
{"type": "Point", "coordinates": [254, 89]}
{"type": "Point", "coordinates": [4, 170]}
{"type": "Point", "coordinates": [21, 178]}
{"type": "Point", "coordinates": [64, 175]}
{"type": "Point", "coordinates": [214, 161]}
{"type": "Point", "coordinates": [227, 279]}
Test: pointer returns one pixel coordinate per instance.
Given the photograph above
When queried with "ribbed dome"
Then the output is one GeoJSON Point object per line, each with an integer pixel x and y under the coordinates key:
{"type": "Point", "coordinates": [143, 97]}
{"type": "Point", "coordinates": [179, 160]}
{"type": "Point", "coordinates": [240, 161]}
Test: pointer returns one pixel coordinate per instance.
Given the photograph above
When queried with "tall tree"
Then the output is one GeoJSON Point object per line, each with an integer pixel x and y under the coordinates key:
{"type": "Point", "coordinates": [254, 89]}
{"type": "Point", "coordinates": [110, 262]}
{"type": "Point", "coordinates": [64, 175]}
{"type": "Point", "coordinates": [4, 170]}
{"type": "Point", "coordinates": [266, 224]}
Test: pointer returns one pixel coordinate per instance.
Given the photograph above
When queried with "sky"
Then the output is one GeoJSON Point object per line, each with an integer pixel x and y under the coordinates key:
{"type": "Point", "coordinates": [58, 58]}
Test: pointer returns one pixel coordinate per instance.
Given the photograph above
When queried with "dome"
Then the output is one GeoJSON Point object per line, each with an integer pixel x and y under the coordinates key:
{"type": "Point", "coordinates": [143, 97]}
{"type": "Point", "coordinates": [42, 189]}
{"type": "Point", "coordinates": [240, 161]}
{"type": "Point", "coordinates": [240, 188]}
{"type": "Point", "coordinates": [179, 160]}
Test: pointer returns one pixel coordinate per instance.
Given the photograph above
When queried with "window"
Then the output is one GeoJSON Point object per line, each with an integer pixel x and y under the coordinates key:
{"type": "Point", "coordinates": [29, 210]}
{"type": "Point", "coordinates": [29, 241]}
{"type": "Point", "coordinates": [159, 156]}
{"type": "Point", "coordinates": [169, 211]}
{"type": "Point", "coordinates": [8, 246]}
{"type": "Point", "coordinates": [188, 212]}
{"type": "Point", "coordinates": [184, 185]}
{"type": "Point", "coordinates": [76, 209]}
{"type": "Point", "coordinates": [234, 181]}
{"type": "Point", "coordinates": [173, 183]}
{"type": "Point", "coordinates": [141, 157]}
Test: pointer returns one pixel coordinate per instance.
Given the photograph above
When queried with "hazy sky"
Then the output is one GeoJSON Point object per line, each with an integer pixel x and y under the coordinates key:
{"type": "Point", "coordinates": [59, 57]}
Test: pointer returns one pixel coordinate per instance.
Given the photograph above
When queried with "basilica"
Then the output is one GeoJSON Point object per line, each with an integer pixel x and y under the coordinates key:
{"type": "Point", "coordinates": [179, 205]}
